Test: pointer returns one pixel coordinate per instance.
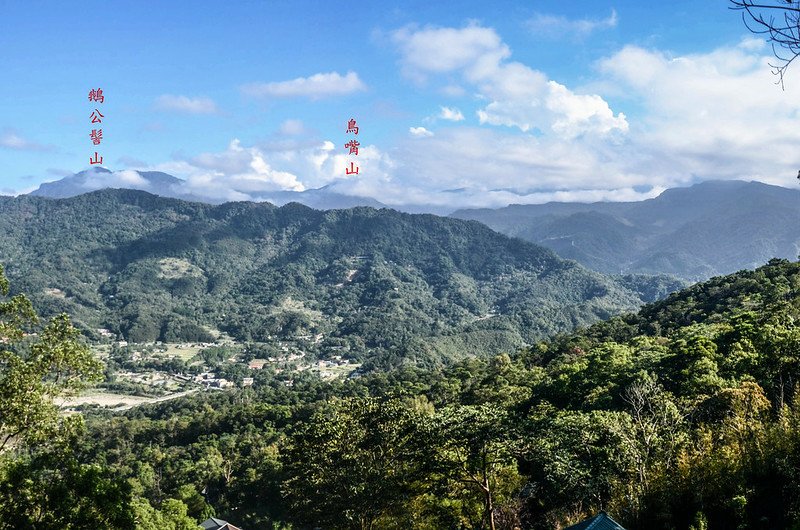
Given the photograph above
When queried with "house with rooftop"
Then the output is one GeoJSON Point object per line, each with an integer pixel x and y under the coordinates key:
{"type": "Point", "coordinates": [601, 521]}
{"type": "Point", "coordinates": [212, 523]}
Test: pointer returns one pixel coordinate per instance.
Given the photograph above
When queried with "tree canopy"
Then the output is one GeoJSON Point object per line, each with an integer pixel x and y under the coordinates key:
{"type": "Point", "coordinates": [44, 485]}
{"type": "Point", "coordinates": [684, 415]}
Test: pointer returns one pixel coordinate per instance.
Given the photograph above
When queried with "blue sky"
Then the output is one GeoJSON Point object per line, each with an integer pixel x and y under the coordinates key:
{"type": "Point", "coordinates": [515, 101]}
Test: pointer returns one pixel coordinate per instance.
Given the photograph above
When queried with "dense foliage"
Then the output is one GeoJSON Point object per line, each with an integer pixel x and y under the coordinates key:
{"type": "Point", "coordinates": [377, 285]}
{"type": "Point", "coordinates": [682, 416]}
{"type": "Point", "coordinates": [43, 485]}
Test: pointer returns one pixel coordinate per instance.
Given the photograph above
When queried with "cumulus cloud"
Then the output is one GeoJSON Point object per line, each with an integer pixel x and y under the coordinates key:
{"type": "Point", "coordinates": [692, 117]}
{"type": "Point", "coordinates": [553, 26]}
{"type": "Point", "coordinates": [245, 169]}
{"type": "Point", "coordinates": [11, 139]}
{"type": "Point", "coordinates": [711, 115]}
{"type": "Point", "coordinates": [185, 104]}
{"type": "Point", "coordinates": [316, 86]}
{"type": "Point", "coordinates": [695, 117]}
{"type": "Point", "coordinates": [552, 104]}
{"type": "Point", "coordinates": [292, 128]}
{"type": "Point", "coordinates": [440, 50]}
{"type": "Point", "coordinates": [257, 172]}
{"type": "Point", "coordinates": [419, 132]}
{"type": "Point", "coordinates": [518, 95]}
{"type": "Point", "coordinates": [484, 159]}
{"type": "Point", "coordinates": [715, 114]}
{"type": "Point", "coordinates": [474, 166]}
{"type": "Point", "coordinates": [449, 114]}
{"type": "Point", "coordinates": [127, 178]}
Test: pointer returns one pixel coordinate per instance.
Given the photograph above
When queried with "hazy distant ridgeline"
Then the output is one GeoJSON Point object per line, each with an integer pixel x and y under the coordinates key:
{"type": "Point", "coordinates": [165, 185]}
{"type": "Point", "coordinates": [378, 283]}
{"type": "Point", "coordinates": [712, 228]}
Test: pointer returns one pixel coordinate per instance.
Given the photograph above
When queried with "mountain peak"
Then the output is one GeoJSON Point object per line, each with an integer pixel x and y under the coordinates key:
{"type": "Point", "coordinates": [98, 178]}
{"type": "Point", "coordinates": [95, 169]}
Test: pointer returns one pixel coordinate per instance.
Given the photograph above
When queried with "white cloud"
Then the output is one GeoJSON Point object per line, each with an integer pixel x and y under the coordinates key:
{"type": "Point", "coordinates": [687, 117]}
{"type": "Point", "coordinates": [580, 113]}
{"type": "Point", "coordinates": [711, 115]}
{"type": "Point", "coordinates": [715, 114]}
{"type": "Point", "coordinates": [553, 26]}
{"type": "Point", "coordinates": [257, 172]}
{"type": "Point", "coordinates": [244, 169]}
{"type": "Point", "coordinates": [483, 159]}
{"type": "Point", "coordinates": [440, 50]}
{"type": "Point", "coordinates": [130, 179]}
{"type": "Point", "coordinates": [491, 168]}
{"type": "Point", "coordinates": [314, 87]}
{"type": "Point", "coordinates": [451, 114]}
{"type": "Point", "coordinates": [518, 95]}
{"type": "Point", "coordinates": [419, 132]}
{"type": "Point", "coordinates": [565, 113]}
{"type": "Point", "coordinates": [11, 139]}
{"type": "Point", "coordinates": [453, 91]}
{"type": "Point", "coordinates": [292, 128]}
{"type": "Point", "coordinates": [185, 104]}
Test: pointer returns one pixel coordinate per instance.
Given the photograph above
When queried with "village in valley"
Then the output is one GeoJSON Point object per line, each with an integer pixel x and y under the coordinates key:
{"type": "Point", "coordinates": [140, 373]}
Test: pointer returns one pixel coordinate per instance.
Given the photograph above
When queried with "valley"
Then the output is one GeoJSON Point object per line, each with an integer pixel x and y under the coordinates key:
{"type": "Point", "coordinates": [517, 265]}
{"type": "Point", "coordinates": [384, 287]}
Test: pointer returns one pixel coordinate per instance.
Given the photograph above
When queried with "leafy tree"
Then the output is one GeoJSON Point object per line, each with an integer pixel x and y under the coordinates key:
{"type": "Point", "coordinates": [392, 287]}
{"type": "Point", "coordinates": [171, 516]}
{"type": "Point", "coordinates": [354, 462]}
{"type": "Point", "coordinates": [574, 461]}
{"type": "Point", "coordinates": [50, 490]}
{"type": "Point", "coordinates": [42, 484]}
{"type": "Point", "coordinates": [684, 415]}
{"type": "Point", "coordinates": [653, 437]}
{"type": "Point", "coordinates": [37, 368]}
{"type": "Point", "coordinates": [475, 456]}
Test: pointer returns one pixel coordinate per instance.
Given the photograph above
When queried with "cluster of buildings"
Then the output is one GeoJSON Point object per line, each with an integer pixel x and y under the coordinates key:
{"type": "Point", "coordinates": [210, 380]}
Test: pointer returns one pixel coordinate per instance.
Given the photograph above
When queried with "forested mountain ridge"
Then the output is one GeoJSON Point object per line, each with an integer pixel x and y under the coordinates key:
{"type": "Point", "coordinates": [369, 281]}
{"type": "Point", "coordinates": [708, 229]}
{"type": "Point", "coordinates": [664, 422]}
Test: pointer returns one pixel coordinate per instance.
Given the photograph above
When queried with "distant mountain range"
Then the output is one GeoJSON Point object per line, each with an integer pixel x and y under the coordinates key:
{"type": "Point", "coordinates": [385, 286]}
{"type": "Point", "coordinates": [155, 182]}
{"type": "Point", "coordinates": [709, 229]}
{"type": "Point", "coordinates": [165, 185]}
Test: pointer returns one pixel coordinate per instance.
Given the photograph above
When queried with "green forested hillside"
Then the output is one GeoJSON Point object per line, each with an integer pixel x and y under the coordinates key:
{"type": "Point", "coordinates": [682, 416]}
{"type": "Point", "coordinates": [378, 283]}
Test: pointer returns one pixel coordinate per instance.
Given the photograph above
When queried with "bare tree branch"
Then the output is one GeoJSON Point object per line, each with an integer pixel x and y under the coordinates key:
{"type": "Point", "coordinates": [784, 35]}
